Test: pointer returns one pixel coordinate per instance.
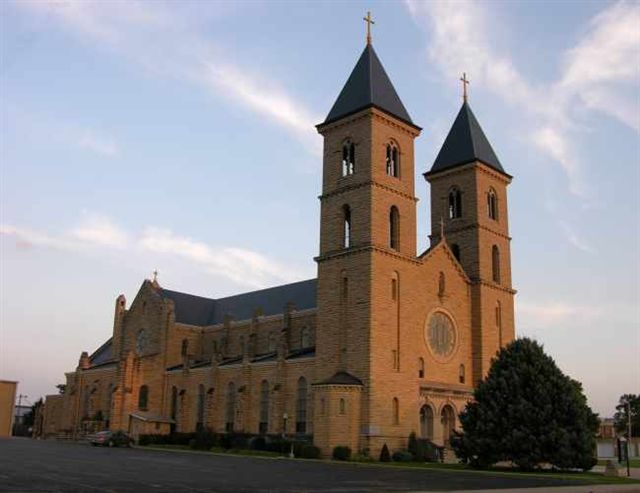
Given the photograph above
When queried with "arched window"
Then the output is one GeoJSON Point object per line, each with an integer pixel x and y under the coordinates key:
{"type": "Point", "coordinates": [420, 368]}
{"type": "Point", "coordinates": [348, 158]}
{"type": "Point", "coordinates": [305, 337]}
{"type": "Point", "coordinates": [345, 289]}
{"type": "Point", "coordinates": [426, 422]}
{"type": "Point", "coordinates": [263, 427]}
{"type": "Point", "coordinates": [441, 284]}
{"type": "Point", "coordinates": [185, 347]}
{"type": "Point", "coordinates": [394, 289]}
{"type": "Point", "coordinates": [455, 203]}
{"type": "Point", "coordinates": [346, 234]}
{"type": "Point", "coordinates": [86, 404]}
{"type": "Point", "coordinates": [174, 403]}
{"type": "Point", "coordinates": [394, 226]}
{"type": "Point", "coordinates": [448, 420]}
{"type": "Point", "coordinates": [323, 406]}
{"type": "Point", "coordinates": [343, 406]}
{"type": "Point", "coordinates": [455, 249]}
{"type": "Point", "coordinates": [393, 160]}
{"type": "Point", "coordinates": [492, 205]}
{"type": "Point", "coordinates": [499, 321]}
{"type": "Point", "coordinates": [301, 406]}
{"type": "Point", "coordinates": [241, 345]}
{"type": "Point", "coordinates": [200, 409]}
{"type": "Point", "coordinates": [143, 398]}
{"type": "Point", "coordinates": [461, 375]}
{"type": "Point", "coordinates": [396, 411]}
{"type": "Point", "coordinates": [495, 263]}
{"type": "Point", "coordinates": [231, 407]}
{"type": "Point", "coordinates": [272, 342]}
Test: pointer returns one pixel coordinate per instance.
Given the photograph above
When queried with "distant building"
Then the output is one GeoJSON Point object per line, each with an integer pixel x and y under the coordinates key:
{"type": "Point", "coordinates": [7, 400]}
{"type": "Point", "coordinates": [19, 413]}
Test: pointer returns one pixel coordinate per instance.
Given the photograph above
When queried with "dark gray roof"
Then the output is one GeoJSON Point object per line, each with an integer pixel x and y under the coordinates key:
{"type": "Point", "coordinates": [196, 310]}
{"type": "Point", "coordinates": [465, 143]}
{"type": "Point", "coordinates": [103, 354]}
{"type": "Point", "coordinates": [368, 85]}
{"type": "Point", "coordinates": [341, 378]}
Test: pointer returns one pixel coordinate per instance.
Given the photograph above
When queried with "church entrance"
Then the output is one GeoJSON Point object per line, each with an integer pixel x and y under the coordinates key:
{"type": "Point", "coordinates": [448, 420]}
{"type": "Point", "coordinates": [426, 422]}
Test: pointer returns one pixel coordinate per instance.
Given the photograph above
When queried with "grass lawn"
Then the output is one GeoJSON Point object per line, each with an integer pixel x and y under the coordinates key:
{"type": "Point", "coordinates": [591, 477]}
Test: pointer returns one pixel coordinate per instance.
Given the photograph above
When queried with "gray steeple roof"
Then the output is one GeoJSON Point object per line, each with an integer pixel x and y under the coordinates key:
{"type": "Point", "coordinates": [368, 85]}
{"type": "Point", "coordinates": [465, 143]}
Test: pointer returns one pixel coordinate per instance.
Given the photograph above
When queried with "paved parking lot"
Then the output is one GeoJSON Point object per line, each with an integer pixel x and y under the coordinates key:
{"type": "Point", "coordinates": [50, 466]}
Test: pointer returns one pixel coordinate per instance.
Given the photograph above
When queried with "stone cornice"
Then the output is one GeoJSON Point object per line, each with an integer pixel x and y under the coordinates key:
{"type": "Point", "coordinates": [445, 389]}
{"type": "Point", "coordinates": [368, 183]}
{"type": "Point", "coordinates": [506, 179]}
{"type": "Point", "coordinates": [475, 226]}
{"type": "Point", "coordinates": [345, 252]}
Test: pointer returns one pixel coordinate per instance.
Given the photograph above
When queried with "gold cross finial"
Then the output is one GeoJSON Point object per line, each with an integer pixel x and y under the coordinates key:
{"type": "Point", "coordinates": [155, 275]}
{"type": "Point", "coordinates": [465, 83]}
{"type": "Point", "coordinates": [369, 21]}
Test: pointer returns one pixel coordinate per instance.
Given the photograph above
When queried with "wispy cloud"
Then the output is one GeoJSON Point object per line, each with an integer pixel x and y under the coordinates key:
{"type": "Point", "coordinates": [96, 143]}
{"type": "Point", "coordinates": [238, 264]}
{"type": "Point", "coordinates": [99, 233]}
{"type": "Point", "coordinates": [162, 41]}
{"type": "Point", "coordinates": [100, 230]}
{"type": "Point", "coordinates": [604, 60]}
{"type": "Point", "coordinates": [575, 240]}
{"type": "Point", "coordinates": [553, 314]}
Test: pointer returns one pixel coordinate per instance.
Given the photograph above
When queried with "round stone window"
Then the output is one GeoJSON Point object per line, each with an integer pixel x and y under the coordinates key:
{"type": "Point", "coordinates": [440, 334]}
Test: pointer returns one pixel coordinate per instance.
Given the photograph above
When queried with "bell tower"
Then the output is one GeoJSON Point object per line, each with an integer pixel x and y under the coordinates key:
{"type": "Point", "coordinates": [469, 196]}
{"type": "Point", "coordinates": [367, 217]}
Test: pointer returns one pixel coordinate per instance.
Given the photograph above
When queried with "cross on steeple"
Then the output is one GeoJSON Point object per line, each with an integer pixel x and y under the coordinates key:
{"type": "Point", "coordinates": [155, 276]}
{"type": "Point", "coordinates": [369, 21]}
{"type": "Point", "coordinates": [465, 83]}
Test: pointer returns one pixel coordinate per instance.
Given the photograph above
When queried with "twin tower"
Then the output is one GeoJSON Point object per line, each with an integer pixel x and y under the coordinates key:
{"type": "Point", "coordinates": [402, 337]}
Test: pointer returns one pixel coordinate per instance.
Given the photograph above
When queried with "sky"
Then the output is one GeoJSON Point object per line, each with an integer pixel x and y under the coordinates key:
{"type": "Point", "coordinates": [179, 136]}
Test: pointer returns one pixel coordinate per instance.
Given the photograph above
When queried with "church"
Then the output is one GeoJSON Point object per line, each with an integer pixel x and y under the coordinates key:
{"type": "Point", "coordinates": [385, 341]}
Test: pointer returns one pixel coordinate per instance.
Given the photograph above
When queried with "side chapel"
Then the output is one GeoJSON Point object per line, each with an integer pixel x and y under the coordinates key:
{"type": "Point", "coordinates": [385, 341]}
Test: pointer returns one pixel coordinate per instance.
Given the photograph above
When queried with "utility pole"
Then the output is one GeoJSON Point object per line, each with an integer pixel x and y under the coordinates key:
{"type": "Point", "coordinates": [628, 436]}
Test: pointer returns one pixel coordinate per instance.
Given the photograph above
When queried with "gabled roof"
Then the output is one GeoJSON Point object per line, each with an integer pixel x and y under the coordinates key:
{"type": "Point", "coordinates": [103, 354]}
{"type": "Point", "coordinates": [196, 310]}
{"type": "Point", "coordinates": [465, 143]}
{"type": "Point", "coordinates": [341, 378]}
{"type": "Point", "coordinates": [368, 85]}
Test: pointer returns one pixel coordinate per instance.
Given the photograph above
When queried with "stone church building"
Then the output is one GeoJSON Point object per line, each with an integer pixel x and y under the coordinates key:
{"type": "Point", "coordinates": [385, 341]}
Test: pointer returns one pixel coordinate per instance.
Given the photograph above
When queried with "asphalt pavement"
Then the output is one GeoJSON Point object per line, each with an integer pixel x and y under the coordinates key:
{"type": "Point", "coordinates": [51, 466]}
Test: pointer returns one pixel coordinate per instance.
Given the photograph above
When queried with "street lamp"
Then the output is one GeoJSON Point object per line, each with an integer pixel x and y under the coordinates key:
{"type": "Point", "coordinates": [285, 417]}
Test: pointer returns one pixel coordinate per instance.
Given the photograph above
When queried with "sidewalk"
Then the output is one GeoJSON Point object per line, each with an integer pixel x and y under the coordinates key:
{"type": "Point", "coordinates": [635, 471]}
{"type": "Point", "coordinates": [596, 488]}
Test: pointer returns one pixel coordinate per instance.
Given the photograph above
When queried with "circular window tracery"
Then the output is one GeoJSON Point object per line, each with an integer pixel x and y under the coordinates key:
{"type": "Point", "coordinates": [440, 334]}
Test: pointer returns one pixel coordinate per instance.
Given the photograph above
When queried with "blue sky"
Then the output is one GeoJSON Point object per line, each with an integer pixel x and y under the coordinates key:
{"type": "Point", "coordinates": [179, 136]}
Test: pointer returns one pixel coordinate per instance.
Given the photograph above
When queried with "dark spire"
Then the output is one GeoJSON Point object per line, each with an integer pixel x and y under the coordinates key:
{"type": "Point", "coordinates": [368, 85]}
{"type": "Point", "coordinates": [465, 143]}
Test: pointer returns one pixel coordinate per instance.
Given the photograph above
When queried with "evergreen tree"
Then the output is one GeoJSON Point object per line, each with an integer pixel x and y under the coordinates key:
{"type": "Point", "coordinates": [527, 411]}
{"type": "Point", "coordinates": [621, 417]}
{"type": "Point", "coordinates": [385, 456]}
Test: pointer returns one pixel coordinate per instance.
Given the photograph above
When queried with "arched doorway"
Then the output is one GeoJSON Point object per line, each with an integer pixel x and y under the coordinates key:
{"type": "Point", "coordinates": [448, 420]}
{"type": "Point", "coordinates": [426, 422]}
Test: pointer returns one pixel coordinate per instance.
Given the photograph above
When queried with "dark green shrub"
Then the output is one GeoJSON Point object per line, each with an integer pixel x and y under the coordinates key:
{"type": "Point", "coordinates": [204, 440]}
{"type": "Point", "coordinates": [341, 452]}
{"type": "Point", "coordinates": [308, 451]}
{"type": "Point", "coordinates": [258, 443]}
{"type": "Point", "coordinates": [384, 454]}
{"type": "Point", "coordinates": [402, 456]}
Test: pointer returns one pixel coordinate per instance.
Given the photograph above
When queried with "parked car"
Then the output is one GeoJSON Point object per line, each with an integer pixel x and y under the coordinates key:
{"type": "Point", "coordinates": [111, 439]}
